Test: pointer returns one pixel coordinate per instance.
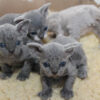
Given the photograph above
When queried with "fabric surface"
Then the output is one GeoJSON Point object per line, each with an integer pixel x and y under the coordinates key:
{"type": "Point", "coordinates": [88, 89]}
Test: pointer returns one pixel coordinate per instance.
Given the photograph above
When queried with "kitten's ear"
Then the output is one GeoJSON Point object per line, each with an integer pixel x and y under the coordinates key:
{"type": "Point", "coordinates": [70, 47]}
{"type": "Point", "coordinates": [19, 19]}
{"type": "Point", "coordinates": [38, 47]}
{"type": "Point", "coordinates": [44, 9]}
{"type": "Point", "coordinates": [23, 26]}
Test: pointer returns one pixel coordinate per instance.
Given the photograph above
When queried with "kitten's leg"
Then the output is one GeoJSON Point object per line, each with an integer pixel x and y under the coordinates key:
{"type": "Point", "coordinates": [46, 89]}
{"type": "Point", "coordinates": [6, 72]}
{"type": "Point", "coordinates": [82, 71]}
{"type": "Point", "coordinates": [67, 91]}
{"type": "Point", "coordinates": [25, 71]}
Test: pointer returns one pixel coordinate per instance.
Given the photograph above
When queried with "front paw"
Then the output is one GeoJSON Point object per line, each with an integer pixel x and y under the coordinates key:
{"type": "Point", "coordinates": [22, 77]}
{"type": "Point", "coordinates": [44, 95]}
{"type": "Point", "coordinates": [82, 74]}
{"type": "Point", "coordinates": [5, 75]}
{"type": "Point", "coordinates": [66, 94]}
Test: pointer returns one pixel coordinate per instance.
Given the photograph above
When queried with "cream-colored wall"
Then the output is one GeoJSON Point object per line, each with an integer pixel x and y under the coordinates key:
{"type": "Point", "coordinates": [9, 6]}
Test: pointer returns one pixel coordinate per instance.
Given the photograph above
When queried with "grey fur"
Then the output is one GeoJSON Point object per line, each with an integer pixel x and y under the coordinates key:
{"type": "Point", "coordinates": [37, 24]}
{"type": "Point", "coordinates": [12, 51]}
{"type": "Point", "coordinates": [75, 21]}
{"type": "Point", "coordinates": [62, 49]}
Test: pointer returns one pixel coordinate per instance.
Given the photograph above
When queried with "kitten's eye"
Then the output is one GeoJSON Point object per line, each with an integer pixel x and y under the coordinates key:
{"type": "Point", "coordinates": [46, 64]}
{"type": "Point", "coordinates": [33, 33]}
{"type": "Point", "coordinates": [2, 45]}
{"type": "Point", "coordinates": [62, 64]}
{"type": "Point", "coordinates": [17, 42]}
{"type": "Point", "coordinates": [46, 28]}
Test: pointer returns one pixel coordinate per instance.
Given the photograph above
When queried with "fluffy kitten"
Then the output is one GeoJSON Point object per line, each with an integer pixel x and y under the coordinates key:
{"type": "Point", "coordinates": [38, 26]}
{"type": "Point", "coordinates": [13, 53]}
{"type": "Point", "coordinates": [61, 59]}
{"type": "Point", "coordinates": [75, 21]}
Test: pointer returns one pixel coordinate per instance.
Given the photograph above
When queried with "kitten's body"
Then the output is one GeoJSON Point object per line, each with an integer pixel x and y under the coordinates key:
{"type": "Point", "coordinates": [8, 18]}
{"type": "Point", "coordinates": [13, 54]}
{"type": "Point", "coordinates": [61, 59]}
{"type": "Point", "coordinates": [75, 21]}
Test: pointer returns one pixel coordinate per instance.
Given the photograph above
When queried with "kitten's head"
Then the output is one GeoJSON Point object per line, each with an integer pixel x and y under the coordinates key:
{"type": "Point", "coordinates": [38, 26]}
{"type": "Point", "coordinates": [54, 57]}
{"type": "Point", "coordinates": [11, 38]}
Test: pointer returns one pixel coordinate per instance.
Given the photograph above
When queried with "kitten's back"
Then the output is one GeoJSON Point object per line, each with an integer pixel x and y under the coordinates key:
{"type": "Point", "coordinates": [8, 18]}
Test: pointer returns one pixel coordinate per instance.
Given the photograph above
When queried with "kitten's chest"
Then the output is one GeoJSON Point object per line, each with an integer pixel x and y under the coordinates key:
{"type": "Point", "coordinates": [58, 81]}
{"type": "Point", "coordinates": [12, 61]}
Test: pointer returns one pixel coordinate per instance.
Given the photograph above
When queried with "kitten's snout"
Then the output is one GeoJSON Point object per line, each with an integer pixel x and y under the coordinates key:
{"type": "Point", "coordinates": [11, 51]}
{"type": "Point", "coordinates": [41, 36]}
{"type": "Point", "coordinates": [54, 72]}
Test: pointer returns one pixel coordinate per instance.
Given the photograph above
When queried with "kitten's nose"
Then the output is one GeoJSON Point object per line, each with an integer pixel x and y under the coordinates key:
{"type": "Point", "coordinates": [11, 51]}
{"type": "Point", "coordinates": [54, 72]}
{"type": "Point", "coordinates": [41, 36]}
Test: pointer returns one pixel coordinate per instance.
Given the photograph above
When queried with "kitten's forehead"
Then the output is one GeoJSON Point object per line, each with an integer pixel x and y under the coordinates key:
{"type": "Point", "coordinates": [36, 18]}
{"type": "Point", "coordinates": [54, 50]}
{"type": "Point", "coordinates": [7, 31]}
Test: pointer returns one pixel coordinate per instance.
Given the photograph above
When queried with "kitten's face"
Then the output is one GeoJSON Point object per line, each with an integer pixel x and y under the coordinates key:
{"type": "Point", "coordinates": [54, 62]}
{"type": "Point", "coordinates": [38, 27]}
{"type": "Point", "coordinates": [54, 57]}
{"type": "Point", "coordinates": [9, 40]}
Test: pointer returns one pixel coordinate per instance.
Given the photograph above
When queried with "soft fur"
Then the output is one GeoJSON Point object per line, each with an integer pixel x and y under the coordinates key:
{"type": "Point", "coordinates": [62, 59]}
{"type": "Point", "coordinates": [75, 21]}
{"type": "Point", "coordinates": [13, 53]}
{"type": "Point", "coordinates": [38, 26]}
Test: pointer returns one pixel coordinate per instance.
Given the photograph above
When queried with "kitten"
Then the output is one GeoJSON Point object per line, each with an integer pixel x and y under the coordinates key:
{"type": "Point", "coordinates": [61, 59]}
{"type": "Point", "coordinates": [12, 51]}
{"type": "Point", "coordinates": [38, 26]}
{"type": "Point", "coordinates": [75, 21]}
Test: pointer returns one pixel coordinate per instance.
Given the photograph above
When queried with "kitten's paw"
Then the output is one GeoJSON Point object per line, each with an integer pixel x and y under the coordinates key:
{"type": "Point", "coordinates": [22, 77]}
{"type": "Point", "coordinates": [66, 94]}
{"type": "Point", "coordinates": [82, 74]}
{"type": "Point", "coordinates": [44, 95]}
{"type": "Point", "coordinates": [3, 76]}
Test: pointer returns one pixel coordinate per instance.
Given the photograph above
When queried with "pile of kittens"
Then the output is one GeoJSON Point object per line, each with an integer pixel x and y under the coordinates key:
{"type": "Point", "coordinates": [61, 60]}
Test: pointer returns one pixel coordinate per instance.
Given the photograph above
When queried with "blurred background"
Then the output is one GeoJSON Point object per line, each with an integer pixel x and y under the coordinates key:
{"type": "Point", "coordinates": [19, 6]}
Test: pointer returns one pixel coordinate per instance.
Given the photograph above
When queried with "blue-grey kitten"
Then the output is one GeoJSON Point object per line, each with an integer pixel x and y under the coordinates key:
{"type": "Point", "coordinates": [75, 21]}
{"type": "Point", "coordinates": [61, 59]}
{"type": "Point", "coordinates": [12, 51]}
{"type": "Point", "coordinates": [38, 26]}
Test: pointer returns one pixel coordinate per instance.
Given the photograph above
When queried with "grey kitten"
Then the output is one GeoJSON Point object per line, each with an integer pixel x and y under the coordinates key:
{"type": "Point", "coordinates": [38, 26]}
{"type": "Point", "coordinates": [75, 21]}
{"type": "Point", "coordinates": [12, 51]}
{"type": "Point", "coordinates": [62, 59]}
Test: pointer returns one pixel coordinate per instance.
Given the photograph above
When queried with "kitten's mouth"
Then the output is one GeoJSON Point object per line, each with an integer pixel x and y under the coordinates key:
{"type": "Point", "coordinates": [55, 76]}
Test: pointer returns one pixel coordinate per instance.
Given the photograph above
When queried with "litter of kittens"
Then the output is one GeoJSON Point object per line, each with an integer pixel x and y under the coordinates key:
{"type": "Point", "coordinates": [47, 50]}
{"type": "Point", "coordinates": [88, 89]}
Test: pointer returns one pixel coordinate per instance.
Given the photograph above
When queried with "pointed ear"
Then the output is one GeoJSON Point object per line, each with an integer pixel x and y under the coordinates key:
{"type": "Point", "coordinates": [19, 19]}
{"type": "Point", "coordinates": [44, 9]}
{"type": "Point", "coordinates": [23, 26]}
{"type": "Point", "coordinates": [70, 47]}
{"type": "Point", "coordinates": [38, 47]}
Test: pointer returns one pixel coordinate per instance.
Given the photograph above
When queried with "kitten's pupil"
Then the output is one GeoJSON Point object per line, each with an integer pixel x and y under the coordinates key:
{"type": "Point", "coordinates": [2, 45]}
{"type": "Point", "coordinates": [17, 42]}
{"type": "Point", "coordinates": [33, 33]}
{"type": "Point", "coordinates": [62, 64]}
{"type": "Point", "coordinates": [46, 28]}
{"type": "Point", "coordinates": [46, 64]}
